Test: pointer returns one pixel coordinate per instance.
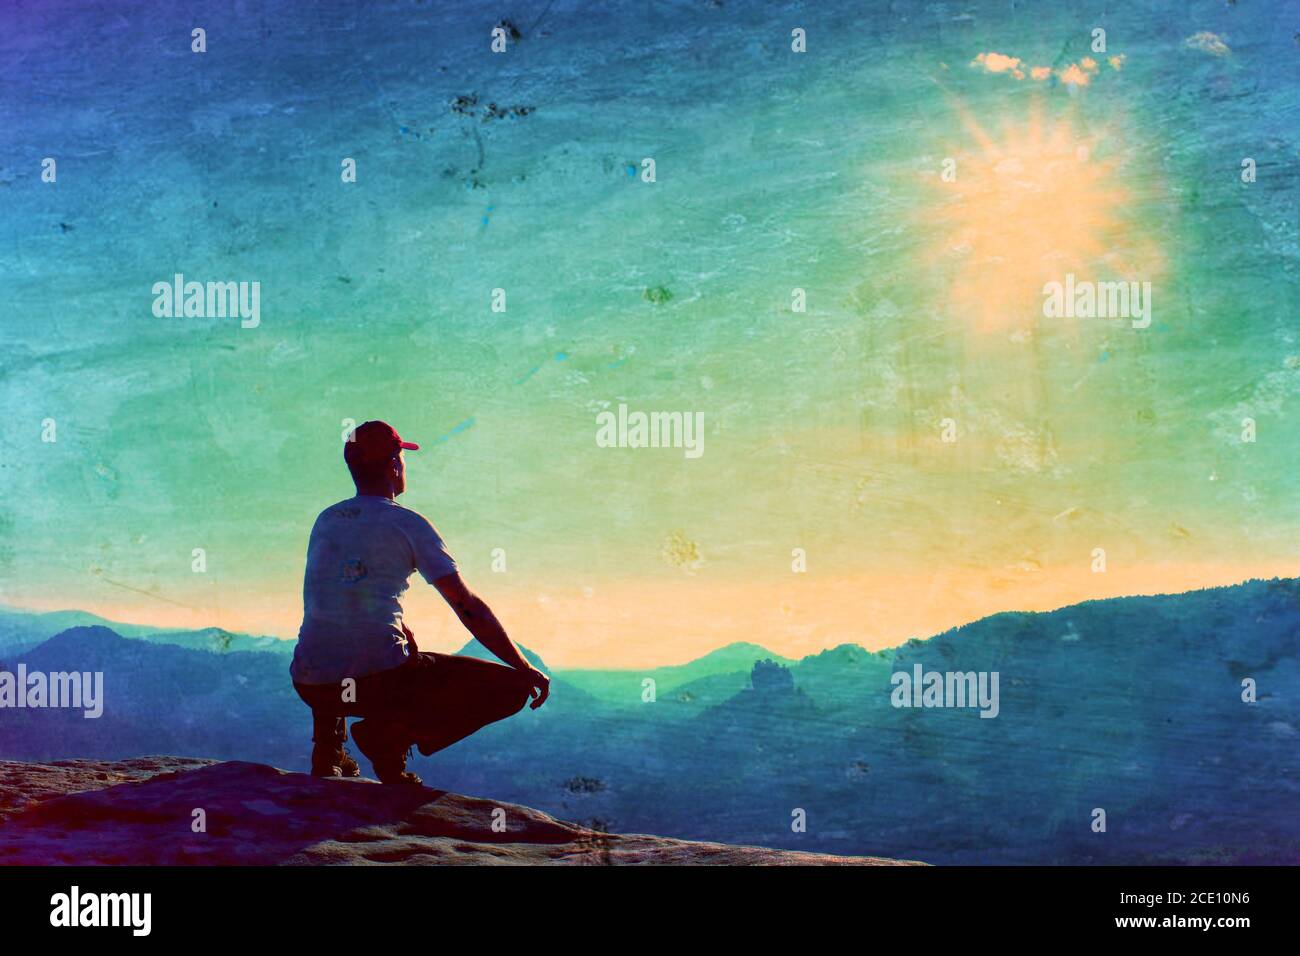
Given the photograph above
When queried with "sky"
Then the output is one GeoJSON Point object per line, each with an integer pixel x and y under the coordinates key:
{"type": "Point", "coordinates": [907, 444]}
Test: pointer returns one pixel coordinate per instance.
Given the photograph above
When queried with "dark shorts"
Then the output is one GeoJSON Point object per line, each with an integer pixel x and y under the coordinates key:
{"type": "Point", "coordinates": [431, 702]}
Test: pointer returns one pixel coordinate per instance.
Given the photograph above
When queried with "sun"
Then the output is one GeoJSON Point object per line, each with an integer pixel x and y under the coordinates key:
{"type": "Point", "coordinates": [1021, 209]}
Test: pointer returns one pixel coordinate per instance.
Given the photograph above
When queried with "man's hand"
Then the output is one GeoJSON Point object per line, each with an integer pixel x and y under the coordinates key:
{"type": "Point", "coordinates": [411, 648]}
{"type": "Point", "coordinates": [539, 686]}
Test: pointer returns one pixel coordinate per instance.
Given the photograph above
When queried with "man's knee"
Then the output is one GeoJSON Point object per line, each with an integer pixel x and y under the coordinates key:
{"type": "Point", "coordinates": [516, 699]}
{"type": "Point", "coordinates": [515, 693]}
{"type": "Point", "coordinates": [507, 688]}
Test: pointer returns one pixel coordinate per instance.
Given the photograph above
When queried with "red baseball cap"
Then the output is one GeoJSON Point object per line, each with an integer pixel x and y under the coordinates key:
{"type": "Point", "coordinates": [374, 441]}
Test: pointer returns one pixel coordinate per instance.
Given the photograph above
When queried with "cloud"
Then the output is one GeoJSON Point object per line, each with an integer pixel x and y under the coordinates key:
{"type": "Point", "coordinates": [1075, 74]}
{"type": "Point", "coordinates": [999, 63]}
{"type": "Point", "coordinates": [1207, 42]}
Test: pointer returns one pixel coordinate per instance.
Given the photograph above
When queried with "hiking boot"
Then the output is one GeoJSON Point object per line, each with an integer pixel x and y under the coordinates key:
{"type": "Point", "coordinates": [385, 751]}
{"type": "Point", "coordinates": [333, 762]}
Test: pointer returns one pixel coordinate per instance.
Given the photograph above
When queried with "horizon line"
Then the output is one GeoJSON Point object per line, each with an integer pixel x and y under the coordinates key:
{"type": "Point", "coordinates": [13, 608]}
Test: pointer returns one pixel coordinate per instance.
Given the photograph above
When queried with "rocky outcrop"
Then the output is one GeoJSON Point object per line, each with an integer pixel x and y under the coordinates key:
{"type": "Point", "coordinates": [173, 810]}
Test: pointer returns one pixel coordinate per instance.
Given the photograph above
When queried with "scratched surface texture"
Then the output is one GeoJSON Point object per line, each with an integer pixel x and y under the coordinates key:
{"type": "Point", "coordinates": [774, 171]}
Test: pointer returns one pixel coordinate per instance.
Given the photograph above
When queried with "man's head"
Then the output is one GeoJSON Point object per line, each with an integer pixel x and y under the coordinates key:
{"type": "Point", "coordinates": [373, 453]}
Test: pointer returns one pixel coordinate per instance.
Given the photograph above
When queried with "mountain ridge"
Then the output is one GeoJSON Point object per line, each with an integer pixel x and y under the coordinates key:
{"type": "Point", "coordinates": [193, 638]}
{"type": "Point", "coordinates": [1135, 705]}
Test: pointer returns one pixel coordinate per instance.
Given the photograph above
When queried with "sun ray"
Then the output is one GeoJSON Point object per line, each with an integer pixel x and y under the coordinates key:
{"type": "Point", "coordinates": [1025, 207]}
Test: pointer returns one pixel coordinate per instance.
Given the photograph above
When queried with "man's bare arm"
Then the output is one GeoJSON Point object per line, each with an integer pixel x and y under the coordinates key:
{"type": "Point", "coordinates": [483, 624]}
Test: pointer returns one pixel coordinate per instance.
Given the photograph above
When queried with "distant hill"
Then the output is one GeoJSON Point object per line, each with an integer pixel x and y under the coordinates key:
{"type": "Point", "coordinates": [723, 671]}
{"type": "Point", "coordinates": [1132, 705]}
{"type": "Point", "coordinates": [20, 630]}
{"type": "Point", "coordinates": [43, 624]}
{"type": "Point", "coordinates": [211, 704]}
{"type": "Point", "coordinates": [24, 629]}
{"type": "Point", "coordinates": [476, 650]}
{"type": "Point", "coordinates": [220, 641]}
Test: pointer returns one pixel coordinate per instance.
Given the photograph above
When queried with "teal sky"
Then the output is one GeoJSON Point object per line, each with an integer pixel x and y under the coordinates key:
{"type": "Point", "coordinates": [774, 171]}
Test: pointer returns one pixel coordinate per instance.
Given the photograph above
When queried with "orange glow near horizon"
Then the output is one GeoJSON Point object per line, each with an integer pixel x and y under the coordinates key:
{"type": "Point", "coordinates": [674, 621]}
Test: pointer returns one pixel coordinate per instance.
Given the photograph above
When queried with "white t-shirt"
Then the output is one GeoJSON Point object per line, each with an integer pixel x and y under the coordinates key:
{"type": "Point", "coordinates": [360, 556]}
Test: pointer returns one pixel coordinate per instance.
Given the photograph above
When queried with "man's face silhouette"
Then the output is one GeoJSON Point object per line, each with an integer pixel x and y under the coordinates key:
{"type": "Point", "coordinates": [399, 473]}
